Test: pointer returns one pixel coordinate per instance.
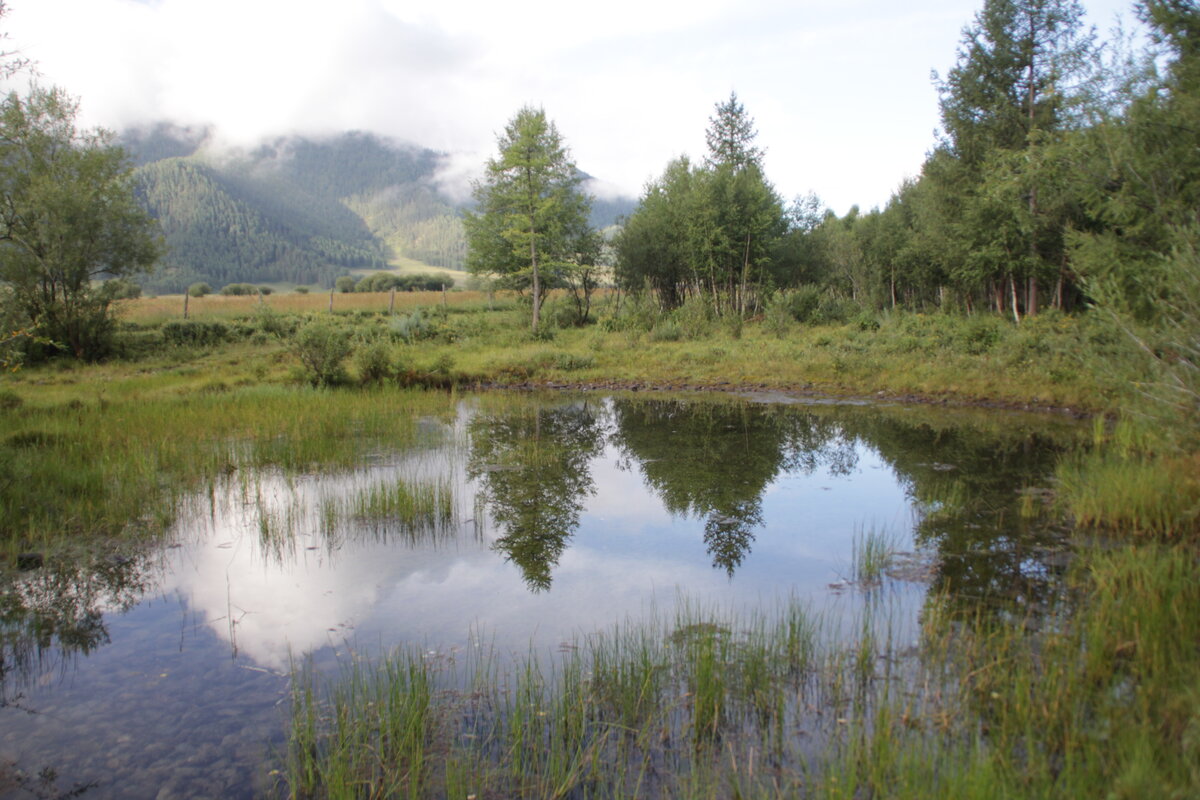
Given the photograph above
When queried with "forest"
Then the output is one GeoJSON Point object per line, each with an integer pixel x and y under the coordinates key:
{"type": "Point", "coordinates": [1065, 174]}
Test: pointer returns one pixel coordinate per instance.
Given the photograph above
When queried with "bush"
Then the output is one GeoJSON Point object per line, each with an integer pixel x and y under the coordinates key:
{"type": "Point", "coordinates": [122, 289]}
{"type": "Point", "coordinates": [301, 290]}
{"type": "Point", "coordinates": [979, 334]}
{"type": "Point", "coordinates": [694, 318]}
{"type": "Point", "coordinates": [412, 327]}
{"type": "Point", "coordinates": [802, 302]}
{"type": "Point", "coordinates": [200, 289]}
{"type": "Point", "coordinates": [373, 362]}
{"type": "Point", "coordinates": [322, 346]}
{"type": "Point", "coordinates": [832, 310]}
{"type": "Point", "coordinates": [866, 321]}
{"type": "Point", "coordinates": [194, 333]}
{"type": "Point", "coordinates": [240, 289]}
{"type": "Point", "coordinates": [344, 284]}
{"type": "Point", "coordinates": [271, 322]}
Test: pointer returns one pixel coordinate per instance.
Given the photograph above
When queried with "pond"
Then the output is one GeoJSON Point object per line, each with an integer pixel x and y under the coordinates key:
{"type": "Point", "coordinates": [517, 526]}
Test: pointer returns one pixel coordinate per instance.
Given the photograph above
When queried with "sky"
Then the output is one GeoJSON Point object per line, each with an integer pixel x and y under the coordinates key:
{"type": "Point", "coordinates": [840, 91]}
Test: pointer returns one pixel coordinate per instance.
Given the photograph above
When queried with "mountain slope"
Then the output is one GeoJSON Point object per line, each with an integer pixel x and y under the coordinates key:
{"type": "Point", "coordinates": [295, 209]}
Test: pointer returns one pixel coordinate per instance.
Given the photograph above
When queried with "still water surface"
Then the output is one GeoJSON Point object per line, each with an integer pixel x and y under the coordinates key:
{"type": "Point", "coordinates": [165, 673]}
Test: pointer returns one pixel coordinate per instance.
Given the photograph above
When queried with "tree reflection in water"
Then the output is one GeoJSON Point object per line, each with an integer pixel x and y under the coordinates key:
{"type": "Point", "coordinates": [532, 465]}
{"type": "Point", "coordinates": [51, 615]}
{"type": "Point", "coordinates": [715, 461]}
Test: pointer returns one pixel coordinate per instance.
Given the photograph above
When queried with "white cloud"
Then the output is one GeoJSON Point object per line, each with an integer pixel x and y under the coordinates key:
{"type": "Point", "coordinates": [841, 92]}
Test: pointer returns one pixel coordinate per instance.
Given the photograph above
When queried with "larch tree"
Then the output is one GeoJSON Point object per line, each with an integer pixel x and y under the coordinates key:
{"type": "Point", "coordinates": [531, 209]}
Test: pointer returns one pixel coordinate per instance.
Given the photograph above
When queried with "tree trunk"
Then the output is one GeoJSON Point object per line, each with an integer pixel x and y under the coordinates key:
{"type": "Point", "coordinates": [1012, 285]}
{"type": "Point", "coordinates": [537, 286]}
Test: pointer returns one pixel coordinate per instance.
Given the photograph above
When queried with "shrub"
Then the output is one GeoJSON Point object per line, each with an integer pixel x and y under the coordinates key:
{"type": "Point", "coordinates": [194, 333]}
{"type": "Point", "coordinates": [238, 289]}
{"type": "Point", "coordinates": [373, 362]}
{"type": "Point", "coordinates": [199, 290]}
{"type": "Point", "coordinates": [322, 346]}
{"type": "Point", "coordinates": [979, 334]}
{"type": "Point", "coordinates": [301, 290]}
{"type": "Point", "coordinates": [273, 323]}
{"type": "Point", "coordinates": [866, 321]}
{"type": "Point", "coordinates": [802, 302]}
{"type": "Point", "coordinates": [344, 284]}
{"type": "Point", "coordinates": [123, 289]}
{"type": "Point", "coordinates": [832, 309]}
{"type": "Point", "coordinates": [694, 318]}
{"type": "Point", "coordinates": [412, 327]}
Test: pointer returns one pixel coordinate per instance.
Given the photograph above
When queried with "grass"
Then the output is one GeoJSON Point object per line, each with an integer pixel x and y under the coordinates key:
{"type": "Point", "coordinates": [871, 553]}
{"type": "Point", "coordinates": [1102, 701]}
{"type": "Point", "coordinates": [102, 468]}
{"type": "Point", "coordinates": [1050, 360]}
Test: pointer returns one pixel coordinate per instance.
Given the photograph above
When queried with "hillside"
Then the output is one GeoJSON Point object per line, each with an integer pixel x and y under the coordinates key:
{"type": "Point", "coordinates": [296, 209]}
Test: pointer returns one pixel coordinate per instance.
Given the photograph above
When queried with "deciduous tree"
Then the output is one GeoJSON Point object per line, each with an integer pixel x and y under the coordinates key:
{"type": "Point", "coordinates": [69, 221]}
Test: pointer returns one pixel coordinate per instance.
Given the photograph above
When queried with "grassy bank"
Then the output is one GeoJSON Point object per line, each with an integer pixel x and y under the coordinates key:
{"type": "Point", "coordinates": [1049, 360]}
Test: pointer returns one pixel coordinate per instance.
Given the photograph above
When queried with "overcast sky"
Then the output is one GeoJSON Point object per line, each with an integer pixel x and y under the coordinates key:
{"type": "Point", "coordinates": [840, 91]}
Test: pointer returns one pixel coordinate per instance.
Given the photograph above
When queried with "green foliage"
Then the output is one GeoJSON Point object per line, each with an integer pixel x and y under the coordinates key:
{"type": "Point", "coordinates": [716, 229]}
{"type": "Point", "coordinates": [199, 289]}
{"type": "Point", "coordinates": [344, 284]}
{"type": "Point", "coordinates": [412, 327]}
{"type": "Point", "coordinates": [194, 333]}
{"type": "Point", "coordinates": [533, 217]}
{"type": "Point", "coordinates": [386, 281]}
{"type": "Point", "coordinates": [69, 219]}
{"type": "Point", "coordinates": [322, 345]}
{"type": "Point", "coordinates": [373, 362]}
{"type": "Point", "coordinates": [243, 289]}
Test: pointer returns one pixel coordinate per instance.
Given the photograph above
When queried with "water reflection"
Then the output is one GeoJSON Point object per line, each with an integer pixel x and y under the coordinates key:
{"type": "Point", "coordinates": [54, 614]}
{"type": "Point", "coordinates": [533, 470]}
{"type": "Point", "coordinates": [716, 461]}
{"type": "Point", "coordinates": [534, 520]}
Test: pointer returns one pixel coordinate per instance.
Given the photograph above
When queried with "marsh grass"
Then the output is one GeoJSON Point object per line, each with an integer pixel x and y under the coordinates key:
{"type": "Point", "coordinates": [871, 553]}
{"type": "Point", "coordinates": [1096, 697]}
{"type": "Point", "coordinates": [1051, 359]}
{"type": "Point", "coordinates": [107, 469]}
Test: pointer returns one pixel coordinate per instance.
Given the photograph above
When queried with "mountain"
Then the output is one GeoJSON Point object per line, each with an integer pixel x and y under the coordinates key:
{"type": "Point", "coordinates": [296, 209]}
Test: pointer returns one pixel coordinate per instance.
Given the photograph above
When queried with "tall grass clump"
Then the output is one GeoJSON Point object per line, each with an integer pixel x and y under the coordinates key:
{"type": "Point", "coordinates": [415, 507]}
{"type": "Point", "coordinates": [871, 553]}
